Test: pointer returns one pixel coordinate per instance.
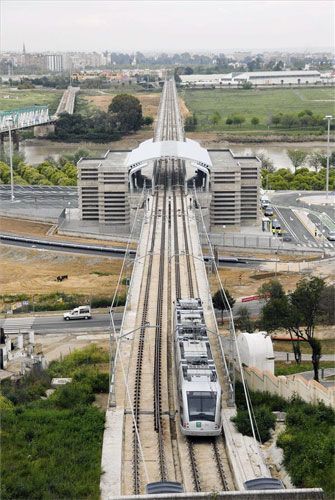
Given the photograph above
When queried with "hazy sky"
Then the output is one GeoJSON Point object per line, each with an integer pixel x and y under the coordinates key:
{"type": "Point", "coordinates": [60, 25]}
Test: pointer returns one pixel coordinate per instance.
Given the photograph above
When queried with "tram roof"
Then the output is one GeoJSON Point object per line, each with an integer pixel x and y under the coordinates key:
{"type": "Point", "coordinates": [183, 150]}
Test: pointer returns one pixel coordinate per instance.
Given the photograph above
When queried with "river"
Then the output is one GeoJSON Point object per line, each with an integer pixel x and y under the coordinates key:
{"type": "Point", "coordinates": [35, 151]}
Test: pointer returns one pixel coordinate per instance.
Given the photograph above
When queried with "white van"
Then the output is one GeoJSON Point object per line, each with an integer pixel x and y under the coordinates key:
{"type": "Point", "coordinates": [81, 312]}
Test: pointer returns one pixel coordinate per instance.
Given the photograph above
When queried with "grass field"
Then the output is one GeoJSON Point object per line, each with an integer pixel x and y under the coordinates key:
{"type": "Point", "coordinates": [12, 99]}
{"type": "Point", "coordinates": [260, 103]}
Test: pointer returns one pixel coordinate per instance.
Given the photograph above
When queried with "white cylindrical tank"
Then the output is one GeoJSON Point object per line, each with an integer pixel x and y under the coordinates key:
{"type": "Point", "coordinates": [256, 350]}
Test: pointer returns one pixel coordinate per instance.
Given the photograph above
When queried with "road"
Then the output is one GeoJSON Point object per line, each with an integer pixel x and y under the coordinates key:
{"type": "Point", "coordinates": [54, 323]}
{"type": "Point", "coordinates": [39, 197]}
{"type": "Point", "coordinates": [283, 202]}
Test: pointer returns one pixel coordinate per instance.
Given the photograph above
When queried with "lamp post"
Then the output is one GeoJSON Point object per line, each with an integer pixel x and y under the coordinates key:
{"type": "Point", "coordinates": [328, 118]}
{"type": "Point", "coordinates": [9, 122]}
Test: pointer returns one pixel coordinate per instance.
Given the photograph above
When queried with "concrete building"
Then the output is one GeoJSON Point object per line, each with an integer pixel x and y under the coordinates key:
{"type": "Point", "coordinates": [103, 189]}
{"type": "Point", "coordinates": [228, 185]}
{"type": "Point", "coordinates": [54, 62]}
{"type": "Point", "coordinates": [234, 187]}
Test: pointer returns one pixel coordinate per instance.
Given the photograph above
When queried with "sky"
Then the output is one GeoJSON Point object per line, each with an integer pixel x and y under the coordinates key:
{"type": "Point", "coordinates": [169, 26]}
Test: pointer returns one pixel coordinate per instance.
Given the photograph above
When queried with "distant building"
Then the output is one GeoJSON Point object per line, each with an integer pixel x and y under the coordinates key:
{"type": "Point", "coordinates": [54, 62]}
{"type": "Point", "coordinates": [298, 77]}
{"type": "Point", "coordinates": [295, 77]}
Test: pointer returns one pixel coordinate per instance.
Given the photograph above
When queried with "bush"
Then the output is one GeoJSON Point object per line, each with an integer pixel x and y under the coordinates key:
{"type": "Point", "coordinates": [67, 367]}
{"type": "Point", "coordinates": [308, 445]}
{"type": "Point", "coordinates": [265, 421]}
{"type": "Point", "coordinates": [98, 381]}
{"type": "Point", "coordinates": [29, 388]}
{"type": "Point", "coordinates": [73, 395]}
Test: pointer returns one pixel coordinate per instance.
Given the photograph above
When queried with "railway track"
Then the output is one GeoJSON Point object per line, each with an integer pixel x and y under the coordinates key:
{"type": "Point", "coordinates": [152, 406]}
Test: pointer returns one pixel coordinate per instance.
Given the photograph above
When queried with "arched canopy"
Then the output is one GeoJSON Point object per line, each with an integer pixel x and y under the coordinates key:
{"type": "Point", "coordinates": [183, 150]}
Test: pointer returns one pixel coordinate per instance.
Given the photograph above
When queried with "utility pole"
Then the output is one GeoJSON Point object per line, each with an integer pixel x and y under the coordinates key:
{"type": "Point", "coordinates": [328, 118]}
{"type": "Point", "coordinates": [9, 122]}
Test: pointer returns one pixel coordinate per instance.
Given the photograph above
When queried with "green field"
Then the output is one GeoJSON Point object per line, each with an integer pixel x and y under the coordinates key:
{"type": "Point", "coordinates": [12, 99]}
{"type": "Point", "coordinates": [260, 103]}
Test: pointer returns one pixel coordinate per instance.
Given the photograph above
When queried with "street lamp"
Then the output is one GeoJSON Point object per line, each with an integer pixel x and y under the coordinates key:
{"type": "Point", "coordinates": [9, 122]}
{"type": "Point", "coordinates": [328, 118]}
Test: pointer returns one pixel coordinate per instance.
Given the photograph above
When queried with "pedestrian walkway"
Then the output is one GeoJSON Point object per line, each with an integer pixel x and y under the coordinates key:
{"type": "Point", "coordinates": [17, 325]}
{"type": "Point", "coordinates": [289, 356]}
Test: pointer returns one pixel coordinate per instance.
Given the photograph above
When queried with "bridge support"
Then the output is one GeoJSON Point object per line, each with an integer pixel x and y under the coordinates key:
{"type": "Point", "coordinates": [44, 130]}
{"type": "Point", "coordinates": [15, 140]}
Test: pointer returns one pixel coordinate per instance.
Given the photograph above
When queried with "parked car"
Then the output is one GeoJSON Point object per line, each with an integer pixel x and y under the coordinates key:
{"type": "Point", "coordinates": [330, 235]}
{"type": "Point", "coordinates": [81, 312]}
{"type": "Point", "coordinates": [276, 227]}
{"type": "Point", "coordinates": [268, 211]}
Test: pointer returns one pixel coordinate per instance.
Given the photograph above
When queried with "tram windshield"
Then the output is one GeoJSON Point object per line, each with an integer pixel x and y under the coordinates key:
{"type": "Point", "coordinates": [201, 405]}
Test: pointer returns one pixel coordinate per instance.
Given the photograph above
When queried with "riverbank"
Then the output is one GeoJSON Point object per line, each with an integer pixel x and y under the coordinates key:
{"type": "Point", "coordinates": [36, 150]}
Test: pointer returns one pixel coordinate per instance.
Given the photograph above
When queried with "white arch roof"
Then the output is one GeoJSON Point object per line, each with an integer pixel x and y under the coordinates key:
{"type": "Point", "coordinates": [150, 150]}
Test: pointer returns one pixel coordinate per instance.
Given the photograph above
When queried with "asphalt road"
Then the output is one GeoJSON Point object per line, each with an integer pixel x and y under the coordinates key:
{"type": "Point", "coordinates": [283, 202]}
{"type": "Point", "coordinates": [51, 196]}
{"type": "Point", "coordinates": [56, 324]}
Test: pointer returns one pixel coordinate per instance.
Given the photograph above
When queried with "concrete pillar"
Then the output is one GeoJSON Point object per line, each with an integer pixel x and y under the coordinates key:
{"type": "Point", "coordinates": [16, 139]}
{"type": "Point", "coordinates": [20, 341]}
{"type": "Point", "coordinates": [44, 130]}
{"type": "Point", "coordinates": [31, 337]}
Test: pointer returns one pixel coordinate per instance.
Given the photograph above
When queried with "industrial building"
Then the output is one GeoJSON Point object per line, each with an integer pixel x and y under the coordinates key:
{"type": "Point", "coordinates": [298, 77]}
{"type": "Point", "coordinates": [227, 185]}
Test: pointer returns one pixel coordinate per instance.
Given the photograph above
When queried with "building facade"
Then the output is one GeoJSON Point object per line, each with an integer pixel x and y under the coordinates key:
{"type": "Point", "coordinates": [103, 189]}
{"type": "Point", "coordinates": [234, 187]}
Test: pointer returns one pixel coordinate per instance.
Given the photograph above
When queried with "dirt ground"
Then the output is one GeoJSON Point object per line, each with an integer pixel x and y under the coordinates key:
{"type": "Point", "coordinates": [242, 282]}
{"type": "Point", "coordinates": [19, 226]}
{"type": "Point", "coordinates": [34, 272]}
{"type": "Point", "coordinates": [30, 228]}
{"type": "Point", "coordinates": [150, 102]}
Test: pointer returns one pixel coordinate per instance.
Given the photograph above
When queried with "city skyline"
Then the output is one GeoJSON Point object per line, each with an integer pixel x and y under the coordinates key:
{"type": "Point", "coordinates": [141, 26]}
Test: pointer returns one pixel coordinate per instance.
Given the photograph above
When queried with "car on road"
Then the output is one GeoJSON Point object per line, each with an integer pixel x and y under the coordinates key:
{"type": "Point", "coordinates": [268, 211]}
{"type": "Point", "coordinates": [81, 312]}
{"type": "Point", "coordinates": [276, 227]}
{"type": "Point", "coordinates": [330, 235]}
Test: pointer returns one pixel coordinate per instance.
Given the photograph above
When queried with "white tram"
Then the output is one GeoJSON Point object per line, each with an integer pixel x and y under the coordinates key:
{"type": "Point", "coordinates": [199, 391]}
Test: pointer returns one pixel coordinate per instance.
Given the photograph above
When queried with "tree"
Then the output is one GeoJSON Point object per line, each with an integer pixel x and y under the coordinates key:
{"type": "Point", "coordinates": [216, 118]}
{"type": "Point", "coordinates": [297, 312]}
{"type": "Point", "coordinates": [128, 112]}
{"type": "Point", "coordinates": [190, 123]}
{"type": "Point", "coordinates": [267, 163]}
{"type": "Point", "coordinates": [254, 120]}
{"type": "Point", "coordinates": [244, 322]}
{"type": "Point", "coordinates": [315, 160]}
{"type": "Point", "coordinates": [297, 157]}
{"type": "Point", "coordinates": [220, 303]}
{"type": "Point", "coordinates": [148, 120]}
{"type": "Point", "coordinates": [246, 85]}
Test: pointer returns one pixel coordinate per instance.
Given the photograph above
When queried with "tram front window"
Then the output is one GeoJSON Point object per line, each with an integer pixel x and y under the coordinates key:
{"type": "Point", "coordinates": [201, 405]}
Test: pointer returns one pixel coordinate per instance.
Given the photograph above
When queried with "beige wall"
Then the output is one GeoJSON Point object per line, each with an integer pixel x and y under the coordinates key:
{"type": "Point", "coordinates": [286, 387]}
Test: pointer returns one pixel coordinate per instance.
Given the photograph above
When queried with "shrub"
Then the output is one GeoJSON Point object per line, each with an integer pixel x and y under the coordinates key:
{"type": "Point", "coordinates": [90, 355]}
{"type": "Point", "coordinates": [73, 395]}
{"type": "Point", "coordinates": [265, 421]}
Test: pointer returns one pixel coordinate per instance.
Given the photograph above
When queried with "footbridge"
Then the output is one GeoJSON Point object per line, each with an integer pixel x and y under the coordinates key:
{"type": "Point", "coordinates": [143, 440]}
